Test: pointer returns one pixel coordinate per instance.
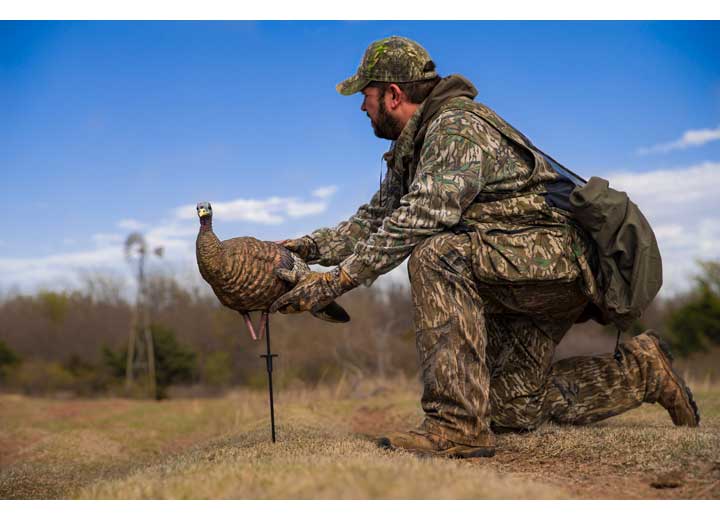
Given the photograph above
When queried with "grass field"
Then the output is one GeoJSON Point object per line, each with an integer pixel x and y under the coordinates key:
{"type": "Point", "coordinates": [220, 448]}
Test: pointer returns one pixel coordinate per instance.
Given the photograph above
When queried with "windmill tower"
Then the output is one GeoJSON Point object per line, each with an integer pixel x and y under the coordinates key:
{"type": "Point", "coordinates": [140, 352]}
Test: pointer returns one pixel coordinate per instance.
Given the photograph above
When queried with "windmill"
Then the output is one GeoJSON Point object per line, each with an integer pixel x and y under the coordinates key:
{"type": "Point", "coordinates": [140, 351]}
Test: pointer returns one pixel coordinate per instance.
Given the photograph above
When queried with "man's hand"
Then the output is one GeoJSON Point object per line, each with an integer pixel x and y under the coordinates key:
{"type": "Point", "coordinates": [304, 247]}
{"type": "Point", "coordinates": [312, 291]}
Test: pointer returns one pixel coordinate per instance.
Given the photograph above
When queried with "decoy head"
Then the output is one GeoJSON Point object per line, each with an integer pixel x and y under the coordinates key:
{"type": "Point", "coordinates": [204, 209]}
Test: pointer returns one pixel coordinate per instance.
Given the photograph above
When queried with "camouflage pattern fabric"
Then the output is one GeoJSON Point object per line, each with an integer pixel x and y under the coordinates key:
{"type": "Point", "coordinates": [466, 170]}
{"type": "Point", "coordinates": [304, 247]}
{"type": "Point", "coordinates": [486, 349]}
{"type": "Point", "coordinates": [312, 291]}
{"type": "Point", "coordinates": [498, 276]}
{"type": "Point", "coordinates": [394, 59]}
{"type": "Point", "coordinates": [458, 157]}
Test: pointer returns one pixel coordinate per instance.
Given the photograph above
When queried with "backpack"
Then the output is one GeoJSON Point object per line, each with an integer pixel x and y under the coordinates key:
{"type": "Point", "coordinates": [630, 267]}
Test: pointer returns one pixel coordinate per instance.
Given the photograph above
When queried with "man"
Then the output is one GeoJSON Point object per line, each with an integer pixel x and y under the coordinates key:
{"type": "Point", "coordinates": [499, 270]}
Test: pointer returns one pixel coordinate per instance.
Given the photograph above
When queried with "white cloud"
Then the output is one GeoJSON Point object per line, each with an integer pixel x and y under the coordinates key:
{"type": "Point", "coordinates": [130, 224]}
{"type": "Point", "coordinates": [103, 239]}
{"type": "Point", "coordinates": [104, 251]}
{"type": "Point", "coordinates": [171, 230]}
{"type": "Point", "coordinates": [324, 192]}
{"type": "Point", "coordinates": [689, 139]}
{"type": "Point", "coordinates": [300, 209]}
{"type": "Point", "coordinates": [240, 209]}
{"type": "Point", "coordinates": [682, 206]}
{"type": "Point", "coordinates": [274, 210]}
{"type": "Point", "coordinates": [679, 191]}
{"type": "Point", "coordinates": [31, 271]}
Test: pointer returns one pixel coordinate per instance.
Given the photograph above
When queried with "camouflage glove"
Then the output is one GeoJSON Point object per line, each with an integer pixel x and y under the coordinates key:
{"type": "Point", "coordinates": [304, 247]}
{"type": "Point", "coordinates": [313, 291]}
{"type": "Point", "coordinates": [300, 268]}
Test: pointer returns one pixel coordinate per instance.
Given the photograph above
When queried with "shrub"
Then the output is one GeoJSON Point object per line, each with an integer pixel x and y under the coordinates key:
{"type": "Point", "coordinates": [695, 325]}
{"type": "Point", "coordinates": [217, 369]}
{"type": "Point", "coordinates": [7, 356]}
{"type": "Point", "coordinates": [41, 377]}
{"type": "Point", "coordinates": [88, 379]}
{"type": "Point", "coordinates": [54, 305]}
{"type": "Point", "coordinates": [8, 360]}
{"type": "Point", "coordinates": [175, 363]}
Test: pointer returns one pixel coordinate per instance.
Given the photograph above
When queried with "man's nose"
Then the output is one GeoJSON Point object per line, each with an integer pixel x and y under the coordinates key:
{"type": "Point", "coordinates": [362, 106]}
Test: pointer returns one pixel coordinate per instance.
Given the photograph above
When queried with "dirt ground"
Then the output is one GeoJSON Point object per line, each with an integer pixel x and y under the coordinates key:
{"type": "Point", "coordinates": [220, 448]}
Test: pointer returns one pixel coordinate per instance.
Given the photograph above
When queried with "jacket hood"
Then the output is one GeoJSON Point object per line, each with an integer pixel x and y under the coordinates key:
{"type": "Point", "coordinates": [408, 145]}
{"type": "Point", "coordinates": [448, 88]}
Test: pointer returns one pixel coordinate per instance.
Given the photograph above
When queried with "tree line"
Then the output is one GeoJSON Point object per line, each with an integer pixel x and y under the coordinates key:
{"type": "Point", "coordinates": [75, 342]}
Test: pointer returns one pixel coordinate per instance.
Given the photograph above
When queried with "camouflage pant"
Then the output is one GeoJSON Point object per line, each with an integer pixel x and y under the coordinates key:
{"type": "Point", "coordinates": [486, 350]}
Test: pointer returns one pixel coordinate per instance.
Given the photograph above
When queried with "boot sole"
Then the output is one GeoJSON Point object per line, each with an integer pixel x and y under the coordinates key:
{"type": "Point", "coordinates": [452, 453]}
{"type": "Point", "coordinates": [667, 359]}
{"type": "Point", "coordinates": [471, 454]}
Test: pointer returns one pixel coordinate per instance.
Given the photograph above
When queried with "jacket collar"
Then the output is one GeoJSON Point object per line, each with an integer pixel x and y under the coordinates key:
{"type": "Point", "coordinates": [450, 87]}
{"type": "Point", "coordinates": [413, 134]}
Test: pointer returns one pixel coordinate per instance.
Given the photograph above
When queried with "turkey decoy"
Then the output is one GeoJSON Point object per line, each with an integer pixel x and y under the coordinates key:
{"type": "Point", "coordinates": [241, 272]}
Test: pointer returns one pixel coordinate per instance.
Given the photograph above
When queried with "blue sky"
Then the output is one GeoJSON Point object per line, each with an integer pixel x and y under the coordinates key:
{"type": "Point", "coordinates": [110, 127]}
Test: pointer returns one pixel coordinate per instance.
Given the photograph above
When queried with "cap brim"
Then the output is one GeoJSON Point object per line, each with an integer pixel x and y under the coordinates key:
{"type": "Point", "coordinates": [352, 85]}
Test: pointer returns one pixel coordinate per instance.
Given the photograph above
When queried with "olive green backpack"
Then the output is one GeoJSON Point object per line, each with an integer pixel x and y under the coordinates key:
{"type": "Point", "coordinates": [630, 263]}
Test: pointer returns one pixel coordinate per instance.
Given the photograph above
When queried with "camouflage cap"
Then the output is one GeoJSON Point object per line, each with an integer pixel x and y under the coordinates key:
{"type": "Point", "coordinates": [395, 60]}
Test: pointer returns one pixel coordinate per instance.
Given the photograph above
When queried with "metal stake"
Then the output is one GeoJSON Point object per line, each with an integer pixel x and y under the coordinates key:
{"type": "Point", "coordinates": [268, 361]}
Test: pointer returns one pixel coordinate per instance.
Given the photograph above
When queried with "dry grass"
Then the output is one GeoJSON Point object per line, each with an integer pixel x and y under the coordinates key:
{"type": "Point", "coordinates": [219, 448]}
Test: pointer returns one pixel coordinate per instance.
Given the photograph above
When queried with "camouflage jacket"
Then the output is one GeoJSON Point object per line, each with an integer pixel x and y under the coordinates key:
{"type": "Point", "coordinates": [456, 166]}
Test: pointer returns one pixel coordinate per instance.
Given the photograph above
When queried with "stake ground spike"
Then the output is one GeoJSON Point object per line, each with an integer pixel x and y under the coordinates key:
{"type": "Point", "coordinates": [268, 362]}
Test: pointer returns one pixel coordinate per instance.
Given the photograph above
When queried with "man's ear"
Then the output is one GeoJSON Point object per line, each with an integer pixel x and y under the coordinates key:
{"type": "Point", "coordinates": [397, 96]}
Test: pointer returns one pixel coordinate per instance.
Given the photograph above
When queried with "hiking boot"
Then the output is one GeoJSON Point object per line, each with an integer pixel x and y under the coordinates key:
{"type": "Point", "coordinates": [423, 443]}
{"type": "Point", "coordinates": [674, 395]}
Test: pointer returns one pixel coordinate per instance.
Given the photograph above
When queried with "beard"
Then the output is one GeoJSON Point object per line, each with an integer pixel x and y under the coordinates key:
{"type": "Point", "coordinates": [386, 126]}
